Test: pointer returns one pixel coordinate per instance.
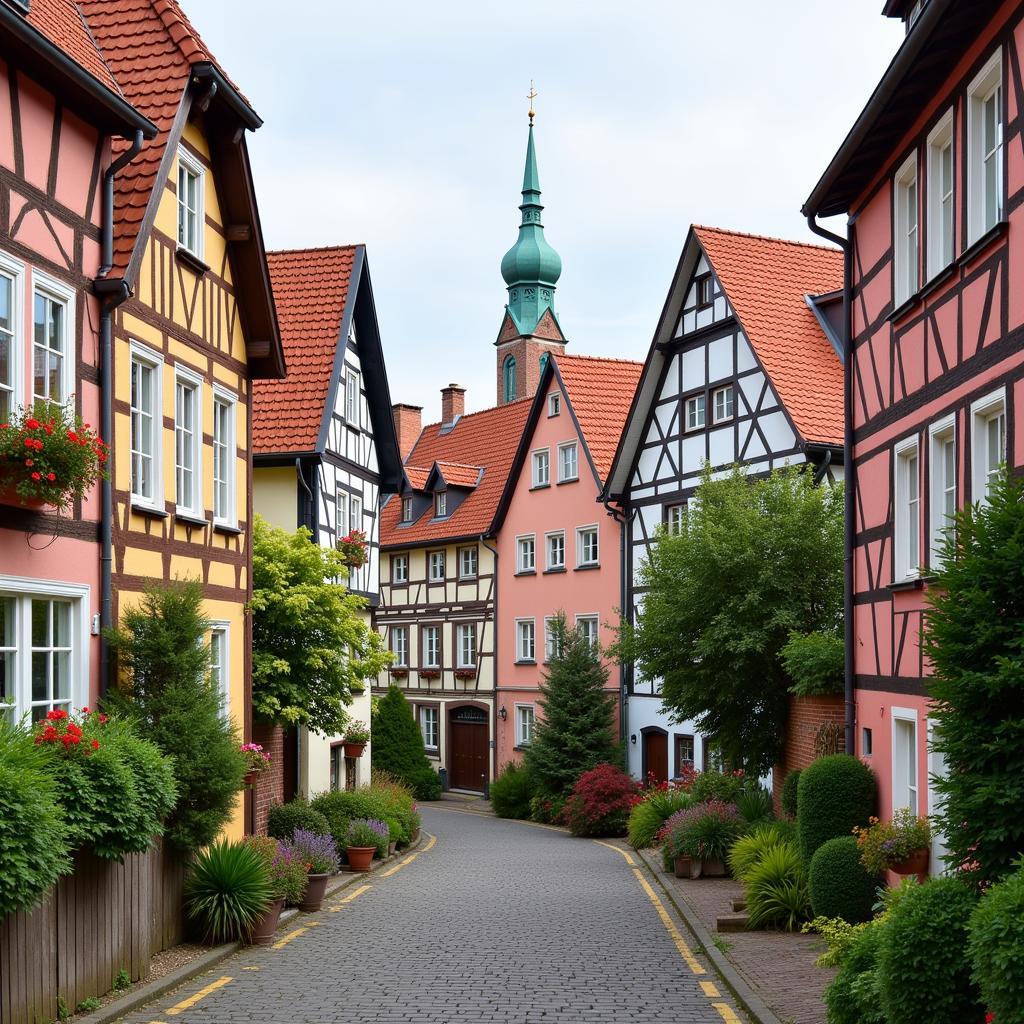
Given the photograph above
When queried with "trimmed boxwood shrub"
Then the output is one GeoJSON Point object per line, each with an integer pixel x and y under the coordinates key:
{"type": "Point", "coordinates": [834, 794]}
{"type": "Point", "coordinates": [923, 972]}
{"type": "Point", "coordinates": [512, 791]}
{"type": "Point", "coordinates": [284, 819]}
{"type": "Point", "coordinates": [852, 996]}
{"type": "Point", "coordinates": [788, 796]}
{"type": "Point", "coordinates": [839, 884]}
{"type": "Point", "coordinates": [996, 947]}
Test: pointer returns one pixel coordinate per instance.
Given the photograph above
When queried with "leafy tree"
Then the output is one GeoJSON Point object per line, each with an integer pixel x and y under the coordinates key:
{"type": "Point", "coordinates": [312, 647]}
{"type": "Point", "coordinates": [815, 662]}
{"type": "Point", "coordinates": [166, 686]}
{"type": "Point", "coordinates": [576, 732]}
{"type": "Point", "coordinates": [975, 642]}
{"type": "Point", "coordinates": [398, 746]}
{"type": "Point", "coordinates": [754, 561]}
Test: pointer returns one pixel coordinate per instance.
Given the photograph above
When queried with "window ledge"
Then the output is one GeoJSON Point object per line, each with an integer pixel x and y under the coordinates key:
{"type": "Point", "coordinates": [191, 260]}
{"type": "Point", "coordinates": [526, 661]}
{"type": "Point", "coordinates": [354, 427]}
{"type": "Point", "coordinates": [916, 583]}
{"type": "Point", "coordinates": [540, 487]}
{"type": "Point", "coordinates": [527, 572]}
{"type": "Point", "coordinates": [551, 572]}
{"type": "Point", "coordinates": [149, 510]}
{"type": "Point", "coordinates": [569, 480]}
{"type": "Point", "coordinates": [190, 518]}
{"type": "Point", "coordinates": [937, 280]}
{"type": "Point", "coordinates": [521, 747]}
{"type": "Point", "coordinates": [437, 581]}
{"type": "Point", "coordinates": [586, 566]}
{"type": "Point", "coordinates": [994, 232]}
{"type": "Point", "coordinates": [227, 528]}
{"type": "Point", "coordinates": [905, 307]}
{"type": "Point", "coordinates": [468, 579]}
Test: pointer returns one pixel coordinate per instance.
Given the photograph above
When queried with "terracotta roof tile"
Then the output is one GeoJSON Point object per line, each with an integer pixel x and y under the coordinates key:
{"type": "Point", "coordinates": [458, 475]}
{"type": "Point", "coordinates": [487, 439]}
{"type": "Point", "coordinates": [601, 392]}
{"type": "Point", "coordinates": [767, 281]}
{"type": "Point", "coordinates": [61, 22]}
{"type": "Point", "coordinates": [310, 291]}
{"type": "Point", "coordinates": [418, 477]}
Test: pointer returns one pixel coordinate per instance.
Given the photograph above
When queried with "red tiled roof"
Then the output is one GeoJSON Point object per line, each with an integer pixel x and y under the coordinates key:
{"type": "Point", "coordinates": [417, 477]}
{"type": "Point", "coordinates": [310, 291]}
{"type": "Point", "coordinates": [601, 392]}
{"type": "Point", "coordinates": [61, 22]}
{"type": "Point", "coordinates": [458, 475]}
{"type": "Point", "coordinates": [487, 439]}
{"type": "Point", "coordinates": [767, 280]}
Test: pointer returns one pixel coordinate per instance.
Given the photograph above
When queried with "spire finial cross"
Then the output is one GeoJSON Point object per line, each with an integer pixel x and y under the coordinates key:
{"type": "Point", "coordinates": [531, 96]}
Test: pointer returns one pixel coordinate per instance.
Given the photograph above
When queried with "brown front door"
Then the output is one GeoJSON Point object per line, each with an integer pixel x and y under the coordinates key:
{"type": "Point", "coordinates": [656, 756]}
{"type": "Point", "coordinates": [467, 743]}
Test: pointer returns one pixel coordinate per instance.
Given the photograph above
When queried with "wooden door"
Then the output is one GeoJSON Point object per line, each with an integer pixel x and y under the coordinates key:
{"type": "Point", "coordinates": [468, 749]}
{"type": "Point", "coordinates": [656, 756]}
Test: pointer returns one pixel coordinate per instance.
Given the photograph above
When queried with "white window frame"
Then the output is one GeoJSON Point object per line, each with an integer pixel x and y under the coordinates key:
{"type": "Point", "coordinates": [400, 562]}
{"type": "Point", "coordinates": [988, 82]}
{"type": "Point", "coordinates": [194, 167]}
{"type": "Point", "coordinates": [430, 727]}
{"type": "Point", "coordinates": [400, 650]}
{"type": "Point", "coordinates": [906, 777]}
{"type": "Point", "coordinates": [982, 411]}
{"type": "Point", "coordinates": [549, 564]}
{"type": "Point", "coordinates": [541, 463]}
{"type": "Point", "coordinates": [581, 545]}
{"type": "Point", "coordinates": [526, 720]}
{"type": "Point", "coordinates": [524, 543]}
{"type": "Point", "coordinates": [729, 412]}
{"type": "Point", "coordinates": [554, 404]}
{"type": "Point", "coordinates": [940, 434]}
{"type": "Point", "coordinates": [568, 462]}
{"type": "Point", "coordinates": [465, 655]}
{"type": "Point", "coordinates": [939, 199]}
{"type": "Point", "coordinates": [342, 523]}
{"type": "Point", "coordinates": [549, 639]}
{"type": "Point", "coordinates": [23, 590]}
{"type": "Point", "coordinates": [584, 623]}
{"type": "Point", "coordinates": [432, 562]}
{"type": "Point", "coordinates": [14, 271]}
{"type": "Point", "coordinates": [355, 513]}
{"type": "Point", "coordinates": [406, 509]}
{"type": "Point", "coordinates": [699, 406]}
{"type": "Point", "coordinates": [675, 516]}
{"type": "Point", "coordinates": [526, 641]}
{"type": "Point", "coordinates": [223, 399]}
{"type": "Point", "coordinates": [187, 379]}
{"type": "Point", "coordinates": [471, 572]}
{"type": "Point", "coordinates": [907, 232]}
{"type": "Point", "coordinates": [906, 507]}
{"type": "Point", "coordinates": [154, 362]}
{"type": "Point", "coordinates": [62, 294]}
{"type": "Point", "coordinates": [440, 504]}
{"type": "Point", "coordinates": [351, 396]}
{"type": "Point", "coordinates": [221, 678]}
{"type": "Point", "coordinates": [432, 653]}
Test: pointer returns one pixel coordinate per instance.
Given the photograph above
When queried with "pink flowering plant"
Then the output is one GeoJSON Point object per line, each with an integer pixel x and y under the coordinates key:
{"type": "Point", "coordinates": [256, 758]}
{"type": "Point", "coordinates": [705, 831]}
{"type": "Point", "coordinates": [353, 549]}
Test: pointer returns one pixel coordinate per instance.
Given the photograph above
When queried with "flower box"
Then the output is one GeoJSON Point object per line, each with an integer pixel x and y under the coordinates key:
{"type": "Point", "coordinates": [465, 673]}
{"type": "Point", "coordinates": [9, 496]}
{"type": "Point", "coordinates": [430, 673]}
{"type": "Point", "coordinates": [399, 673]}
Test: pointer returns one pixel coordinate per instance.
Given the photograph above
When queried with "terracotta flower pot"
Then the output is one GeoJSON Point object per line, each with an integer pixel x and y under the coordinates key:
{"type": "Point", "coordinates": [681, 867]}
{"type": "Point", "coordinates": [313, 897]}
{"type": "Point", "coordinates": [915, 864]}
{"type": "Point", "coordinates": [10, 496]}
{"type": "Point", "coordinates": [249, 778]}
{"type": "Point", "coordinates": [360, 857]}
{"type": "Point", "coordinates": [392, 847]}
{"type": "Point", "coordinates": [263, 930]}
{"type": "Point", "coordinates": [414, 838]}
{"type": "Point", "coordinates": [354, 749]}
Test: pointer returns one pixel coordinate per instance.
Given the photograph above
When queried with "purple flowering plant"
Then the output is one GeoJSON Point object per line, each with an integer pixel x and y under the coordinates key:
{"type": "Point", "coordinates": [885, 843]}
{"type": "Point", "coordinates": [318, 851]}
{"type": "Point", "coordinates": [365, 832]}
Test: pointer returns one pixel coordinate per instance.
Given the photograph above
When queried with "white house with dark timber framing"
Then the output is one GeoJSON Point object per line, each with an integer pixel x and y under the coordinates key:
{"type": "Point", "coordinates": [744, 369]}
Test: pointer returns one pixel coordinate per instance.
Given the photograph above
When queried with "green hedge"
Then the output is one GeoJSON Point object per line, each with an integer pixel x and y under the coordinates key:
{"type": "Point", "coordinates": [284, 819]}
{"type": "Point", "coordinates": [788, 796]}
{"type": "Point", "coordinates": [852, 996]}
{"type": "Point", "coordinates": [834, 794]}
{"type": "Point", "coordinates": [996, 948]}
{"type": "Point", "coordinates": [838, 883]}
{"type": "Point", "coordinates": [512, 791]}
{"type": "Point", "coordinates": [377, 802]}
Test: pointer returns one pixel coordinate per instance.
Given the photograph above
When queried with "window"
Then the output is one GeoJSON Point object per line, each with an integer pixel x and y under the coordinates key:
{"type": "Point", "coordinates": [407, 510]}
{"type": "Point", "coordinates": [568, 462]}
{"type": "Point", "coordinates": [985, 150]}
{"type": "Point", "coordinates": [907, 539]}
{"type": "Point", "coordinates": [685, 752]}
{"type": "Point", "coordinates": [53, 357]}
{"type": "Point", "coordinates": [190, 203]}
{"type": "Point", "coordinates": [904, 759]}
{"type": "Point", "coordinates": [586, 546]}
{"type": "Point", "coordinates": [866, 742]}
{"type": "Point", "coordinates": [942, 470]}
{"type": "Point", "coordinates": [188, 442]}
{"type": "Point", "coordinates": [400, 645]}
{"type": "Point", "coordinates": [705, 291]}
{"type": "Point", "coordinates": [525, 640]}
{"type": "Point", "coordinates": [399, 568]}
{"type": "Point", "coordinates": [11, 274]}
{"type": "Point", "coordinates": [352, 398]}
{"type": "Point", "coordinates": [526, 554]}
{"type": "Point", "coordinates": [337, 779]}
{"type": "Point", "coordinates": [525, 719]}
{"type": "Point", "coordinates": [554, 403]}
{"type": "Point", "coordinates": [146, 428]}
{"type": "Point", "coordinates": [940, 196]}
{"type": "Point", "coordinates": [441, 504]}
{"type": "Point", "coordinates": [695, 412]}
{"type": "Point", "coordinates": [436, 559]}
{"type": "Point", "coordinates": [220, 665]}
{"type": "Point", "coordinates": [224, 461]}
{"type": "Point", "coordinates": [556, 551]}
{"type": "Point", "coordinates": [467, 563]}
{"type": "Point", "coordinates": [541, 468]}
{"type": "Point", "coordinates": [431, 646]}
{"type": "Point", "coordinates": [906, 245]}
{"type": "Point", "coordinates": [552, 644]}
{"type": "Point", "coordinates": [429, 722]}
{"type": "Point", "coordinates": [341, 521]}
{"type": "Point", "coordinates": [508, 372]}
{"type": "Point", "coordinates": [466, 645]}
{"type": "Point", "coordinates": [587, 625]}
{"type": "Point", "coordinates": [355, 513]}
{"type": "Point", "coordinates": [725, 404]}
{"type": "Point", "coordinates": [988, 442]}
{"type": "Point", "coordinates": [675, 517]}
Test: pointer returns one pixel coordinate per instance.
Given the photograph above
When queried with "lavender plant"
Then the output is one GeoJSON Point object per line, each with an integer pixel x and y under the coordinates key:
{"type": "Point", "coordinates": [317, 850]}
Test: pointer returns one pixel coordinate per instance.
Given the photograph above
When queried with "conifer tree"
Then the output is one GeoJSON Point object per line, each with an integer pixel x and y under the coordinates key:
{"type": "Point", "coordinates": [398, 745]}
{"type": "Point", "coordinates": [576, 732]}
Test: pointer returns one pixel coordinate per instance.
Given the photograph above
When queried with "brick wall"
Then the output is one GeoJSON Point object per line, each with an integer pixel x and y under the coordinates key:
{"type": "Point", "coordinates": [814, 724]}
{"type": "Point", "coordinates": [268, 789]}
{"type": "Point", "coordinates": [527, 351]}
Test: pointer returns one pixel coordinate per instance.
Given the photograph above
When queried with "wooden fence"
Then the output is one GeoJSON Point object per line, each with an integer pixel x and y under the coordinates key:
{"type": "Point", "coordinates": [102, 918]}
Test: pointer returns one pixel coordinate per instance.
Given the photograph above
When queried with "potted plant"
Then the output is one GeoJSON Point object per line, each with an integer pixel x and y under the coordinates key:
{"type": "Point", "coordinates": [320, 856]}
{"type": "Point", "coordinates": [901, 845]}
{"type": "Point", "coordinates": [430, 673]}
{"type": "Point", "coordinates": [48, 457]}
{"type": "Point", "coordinates": [398, 672]}
{"type": "Point", "coordinates": [394, 835]}
{"type": "Point", "coordinates": [256, 759]}
{"type": "Point", "coordinates": [287, 882]}
{"type": "Point", "coordinates": [706, 831]}
{"type": "Point", "coordinates": [229, 890]}
{"type": "Point", "coordinates": [465, 673]}
{"type": "Point", "coordinates": [674, 857]}
{"type": "Point", "coordinates": [353, 549]}
{"type": "Point", "coordinates": [360, 844]}
{"type": "Point", "coordinates": [356, 738]}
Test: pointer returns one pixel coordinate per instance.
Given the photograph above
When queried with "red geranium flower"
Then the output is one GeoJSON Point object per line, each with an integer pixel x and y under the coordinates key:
{"type": "Point", "coordinates": [32, 423]}
{"type": "Point", "coordinates": [37, 476]}
{"type": "Point", "coordinates": [51, 477]}
{"type": "Point", "coordinates": [103, 718]}
{"type": "Point", "coordinates": [29, 462]}
{"type": "Point", "coordinates": [95, 744]}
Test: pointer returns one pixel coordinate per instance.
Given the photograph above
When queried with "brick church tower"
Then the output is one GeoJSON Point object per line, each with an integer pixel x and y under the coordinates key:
{"type": "Point", "coordinates": [531, 268]}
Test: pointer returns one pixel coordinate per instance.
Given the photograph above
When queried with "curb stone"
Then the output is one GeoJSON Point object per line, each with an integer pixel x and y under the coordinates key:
{"type": "Point", "coordinates": [145, 992]}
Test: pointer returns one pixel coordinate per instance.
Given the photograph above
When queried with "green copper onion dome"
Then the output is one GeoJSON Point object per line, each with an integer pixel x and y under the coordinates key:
{"type": "Point", "coordinates": [531, 268]}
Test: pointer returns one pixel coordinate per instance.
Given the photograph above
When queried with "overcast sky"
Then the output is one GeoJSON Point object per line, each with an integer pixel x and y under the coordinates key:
{"type": "Point", "coordinates": [403, 125]}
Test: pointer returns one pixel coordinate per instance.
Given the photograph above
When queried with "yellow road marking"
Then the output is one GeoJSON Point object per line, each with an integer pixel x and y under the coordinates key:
{"type": "Point", "coordinates": [281, 943]}
{"type": "Point", "coordinates": [399, 866]}
{"type": "Point", "coordinates": [710, 990]}
{"type": "Point", "coordinates": [201, 994]}
{"type": "Point", "coordinates": [348, 899]}
{"type": "Point", "coordinates": [313, 924]}
{"type": "Point", "coordinates": [617, 849]}
{"type": "Point", "coordinates": [670, 925]}
{"type": "Point", "coordinates": [250, 968]}
{"type": "Point", "coordinates": [725, 1011]}
{"type": "Point", "coordinates": [430, 845]}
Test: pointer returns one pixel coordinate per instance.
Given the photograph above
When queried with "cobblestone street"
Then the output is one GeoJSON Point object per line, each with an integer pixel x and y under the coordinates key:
{"type": "Point", "coordinates": [496, 922]}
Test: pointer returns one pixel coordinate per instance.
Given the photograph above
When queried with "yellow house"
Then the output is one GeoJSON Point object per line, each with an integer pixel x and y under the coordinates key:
{"type": "Point", "coordinates": [190, 319]}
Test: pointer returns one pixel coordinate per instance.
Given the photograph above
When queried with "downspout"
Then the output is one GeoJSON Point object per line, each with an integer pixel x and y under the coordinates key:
{"type": "Point", "coordinates": [849, 473]}
{"type": "Point", "coordinates": [494, 703]}
{"type": "Point", "coordinates": [620, 518]}
{"type": "Point", "coordinates": [112, 292]}
{"type": "Point", "coordinates": [302, 482]}
{"type": "Point", "coordinates": [301, 784]}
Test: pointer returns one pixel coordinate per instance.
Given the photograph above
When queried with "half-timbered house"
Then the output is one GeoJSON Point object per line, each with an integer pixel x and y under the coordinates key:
{"type": "Point", "coordinates": [932, 181]}
{"type": "Point", "coordinates": [325, 444]}
{"type": "Point", "coordinates": [60, 107]}
{"type": "Point", "coordinates": [744, 369]}
{"type": "Point", "coordinates": [192, 323]}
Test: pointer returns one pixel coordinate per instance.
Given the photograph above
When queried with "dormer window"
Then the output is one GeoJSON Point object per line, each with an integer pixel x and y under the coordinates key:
{"type": "Point", "coordinates": [705, 293]}
{"type": "Point", "coordinates": [441, 504]}
{"type": "Point", "coordinates": [407, 510]}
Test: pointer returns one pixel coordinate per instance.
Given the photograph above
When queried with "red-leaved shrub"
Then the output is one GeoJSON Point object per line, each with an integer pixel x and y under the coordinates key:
{"type": "Point", "coordinates": [600, 802]}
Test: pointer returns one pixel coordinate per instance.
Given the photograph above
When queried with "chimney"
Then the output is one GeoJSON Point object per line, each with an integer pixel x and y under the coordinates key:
{"type": "Point", "coordinates": [453, 404]}
{"type": "Point", "coordinates": [408, 424]}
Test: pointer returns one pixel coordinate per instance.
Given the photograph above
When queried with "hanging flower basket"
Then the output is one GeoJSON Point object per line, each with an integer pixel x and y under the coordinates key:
{"type": "Point", "coordinates": [356, 739]}
{"type": "Point", "coordinates": [256, 760]}
{"type": "Point", "coordinates": [48, 457]}
{"type": "Point", "coordinates": [353, 549]}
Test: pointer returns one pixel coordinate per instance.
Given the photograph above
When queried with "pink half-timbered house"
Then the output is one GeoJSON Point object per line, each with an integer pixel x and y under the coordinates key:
{"type": "Point", "coordinates": [931, 177]}
{"type": "Point", "coordinates": [59, 109]}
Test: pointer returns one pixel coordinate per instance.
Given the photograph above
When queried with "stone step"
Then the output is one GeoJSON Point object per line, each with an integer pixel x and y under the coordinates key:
{"type": "Point", "coordinates": [731, 923]}
{"type": "Point", "coordinates": [739, 904]}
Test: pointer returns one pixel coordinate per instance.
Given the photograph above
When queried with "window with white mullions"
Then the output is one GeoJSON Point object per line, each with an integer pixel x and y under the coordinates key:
{"type": "Point", "coordinates": [988, 442]}
{"type": "Point", "coordinates": [568, 461]}
{"type": "Point", "coordinates": [220, 665]}
{"type": "Point", "coordinates": [407, 510]}
{"type": "Point", "coordinates": [224, 460]}
{"type": "Point", "coordinates": [441, 504]}
{"type": "Point", "coordinates": [436, 566]}
{"type": "Point", "coordinates": [400, 645]}
{"type": "Point", "coordinates": [526, 719]}
{"type": "Point", "coordinates": [985, 149]}
{"type": "Point", "coordinates": [467, 646]}
{"type": "Point", "coordinates": [432, 647]}
{"type": "Point", "coordinates": [695, 407]}
{"type": "Point", "coordinates": [49, 348]}
{"type": "Point", "coordinates": [429, 721]}
{"type": "Point", "coordinates": [724, 403]}
{"type": "Point", "coordinates": [907, 541]}
{"type": "Point", "coordinates": [190, 203]}
{"type": "Point", "coordinates": [587, 625]}
{"type": "Point", "coordinates": [8, 342]}
{"type": "Point", "coordinates": [187, 444]}
{"type": "Point", "coordinates": [541, 468]}
{"type": "Point", "coordinates": [940, 196]}
{"type": "Point", "coordinates": [942, 472]}
{"type": "Point", "coordinates": [586, 546]}
{"type": "Point", "coordinates": [467, 563]}
{"type": "Point", "coordinates": [399, 568]}
{"type": "Point", "coordinates": [905, 265]}
{"type": "Point", "coordinates": [146, 429]}
{"type": "Point", "coordinates": [556, 550]}
{"type": "Point", "coordinates": [675, 517]}
{"type": "Point", "coordinates": [526, 554]}
{"type": "Point", "coordinates": [51, 657]}
{"type": "Point", "coordinates": [352, 398]}
{"type": "Point", "coordinates": [904, 760]}
{"type": "Point", "coordinates": [525, 640]}
{"type": "Point", "coordinates": [8, 659]}
{"type": "Point", "coordinates": [552, 644]}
